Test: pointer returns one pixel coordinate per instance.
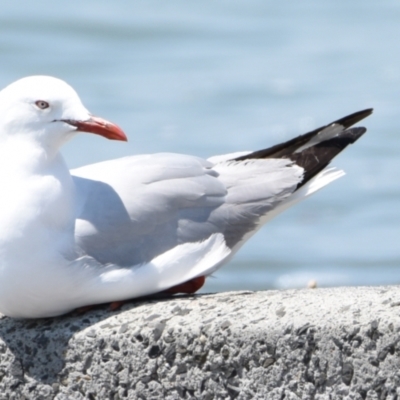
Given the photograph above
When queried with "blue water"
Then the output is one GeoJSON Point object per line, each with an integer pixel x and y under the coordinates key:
{"type": "Point", "coordinates": [212, 77]}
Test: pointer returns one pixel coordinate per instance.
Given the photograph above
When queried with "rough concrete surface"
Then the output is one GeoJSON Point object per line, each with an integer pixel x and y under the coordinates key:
{"type": "Point", "coordinates": [338, 343]}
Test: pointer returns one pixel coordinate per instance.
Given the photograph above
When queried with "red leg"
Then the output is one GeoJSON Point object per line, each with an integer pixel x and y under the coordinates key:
{"type": "Point", "coordinates": [85, 309]}
{"type": "Point", "coordinates": [116, 305]}
{"type": "Point", "coordinates": [188, 287]}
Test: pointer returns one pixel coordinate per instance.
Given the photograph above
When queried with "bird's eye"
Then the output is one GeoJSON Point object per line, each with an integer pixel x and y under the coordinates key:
{"type": "Point", "coordinates": [42, 104]}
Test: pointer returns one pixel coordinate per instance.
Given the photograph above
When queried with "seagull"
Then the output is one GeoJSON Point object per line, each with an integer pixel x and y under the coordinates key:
{"type": "Point", "coordinates": [138, 225]}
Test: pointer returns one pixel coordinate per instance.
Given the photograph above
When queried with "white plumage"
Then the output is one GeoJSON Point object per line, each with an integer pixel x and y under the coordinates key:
{"type": "Point", "coordinates": [123, 228]}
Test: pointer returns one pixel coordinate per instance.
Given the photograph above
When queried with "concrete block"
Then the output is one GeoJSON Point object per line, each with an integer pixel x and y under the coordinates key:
{"type": "Point", "coordinates": [340, 343]}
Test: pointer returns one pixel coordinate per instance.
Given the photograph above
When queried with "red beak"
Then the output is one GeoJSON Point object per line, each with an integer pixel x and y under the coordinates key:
{"type": "Point", "coordinates": [99, 126]}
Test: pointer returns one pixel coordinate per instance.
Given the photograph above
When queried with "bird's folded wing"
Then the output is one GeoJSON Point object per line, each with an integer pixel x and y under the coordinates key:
{"type": "Point", "coordinates": [134, 209]}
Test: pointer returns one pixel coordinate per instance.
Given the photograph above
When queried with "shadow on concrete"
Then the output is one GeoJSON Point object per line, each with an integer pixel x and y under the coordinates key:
{"type": "Point", "coordinates": [38, 347]}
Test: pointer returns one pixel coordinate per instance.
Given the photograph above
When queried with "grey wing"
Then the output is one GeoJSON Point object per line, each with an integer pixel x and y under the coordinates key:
{"type": "Point", "coordinates": [133, 209]}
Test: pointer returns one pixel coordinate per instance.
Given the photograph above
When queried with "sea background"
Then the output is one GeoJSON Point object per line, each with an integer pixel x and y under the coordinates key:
{"type": "Point", "coordinates": [214, 77]}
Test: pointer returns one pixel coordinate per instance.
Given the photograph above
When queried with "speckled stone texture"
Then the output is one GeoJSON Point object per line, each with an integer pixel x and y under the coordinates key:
{"type": "Point", "coordinates": [338, 343]}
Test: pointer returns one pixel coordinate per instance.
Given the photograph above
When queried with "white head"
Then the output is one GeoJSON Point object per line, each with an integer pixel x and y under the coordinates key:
{"type": "Point", "coordinates": [49, 111]}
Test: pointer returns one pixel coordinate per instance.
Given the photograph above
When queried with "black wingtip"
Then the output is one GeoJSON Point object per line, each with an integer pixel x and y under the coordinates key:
{"type": "Point", "coordinates": [354, 133]}
{"type": "Point", "coordinates": [288, 148]}
{"type": "Point", "coordinates": [315, 158]}
{"type": "Point", "coordinates": [352, 119]}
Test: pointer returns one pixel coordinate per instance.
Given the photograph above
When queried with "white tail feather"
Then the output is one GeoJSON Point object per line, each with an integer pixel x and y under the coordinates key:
{"type": "Point", "coordinates": [325, 177]}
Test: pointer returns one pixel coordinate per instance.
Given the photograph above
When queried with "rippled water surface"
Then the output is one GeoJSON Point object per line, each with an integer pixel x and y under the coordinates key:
{"type": "Point", "coordinates": [212, 77]}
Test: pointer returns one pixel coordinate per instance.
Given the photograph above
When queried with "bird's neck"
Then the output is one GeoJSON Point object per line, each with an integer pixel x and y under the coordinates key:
{"type": "Point", "coordinates": [37, 201]}
{"type": "Point", "coordinates": [26, 155]}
